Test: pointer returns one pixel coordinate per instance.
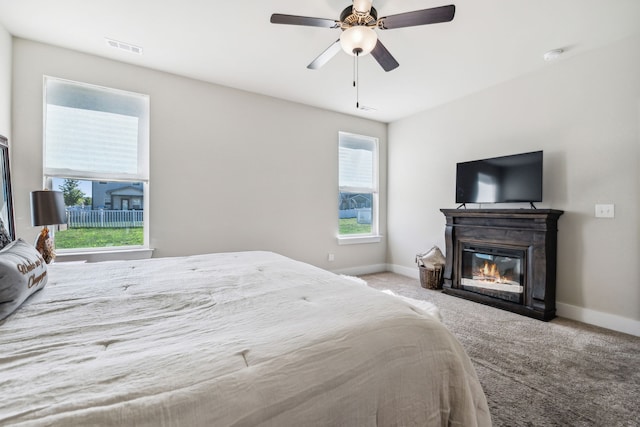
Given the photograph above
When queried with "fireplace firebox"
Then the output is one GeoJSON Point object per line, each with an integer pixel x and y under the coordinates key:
{"type": "Point", "coordinates": [493, 271]}
{"type": "Point", "coordinates": [503, 257]}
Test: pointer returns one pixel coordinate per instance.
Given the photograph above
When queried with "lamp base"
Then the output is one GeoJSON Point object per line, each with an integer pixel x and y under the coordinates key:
{"type": "Point", "coordinates": [44, 245]}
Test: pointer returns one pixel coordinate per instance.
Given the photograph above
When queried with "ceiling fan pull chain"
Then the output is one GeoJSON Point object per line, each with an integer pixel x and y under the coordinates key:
{"type": "Point", "coordinates": [356, 82]}
{"type": "Point", "coordinates": [354, 71]}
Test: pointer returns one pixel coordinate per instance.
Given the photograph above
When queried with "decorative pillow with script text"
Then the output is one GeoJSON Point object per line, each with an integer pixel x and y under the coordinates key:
{"type": "Point", "coordinates": [5, 239]}
{"type": "Point", "coordinates": [22, 272]}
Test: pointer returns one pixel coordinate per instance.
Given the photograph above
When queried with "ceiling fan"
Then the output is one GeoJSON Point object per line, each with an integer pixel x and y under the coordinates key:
{"type": "Point", "coordinates": [358, 22]}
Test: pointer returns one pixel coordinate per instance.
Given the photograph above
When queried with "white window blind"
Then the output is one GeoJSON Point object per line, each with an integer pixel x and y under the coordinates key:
{"type": "Point", "coordinates": [95, 133]}
{"type": "Point", "coordinates": [356, 163]}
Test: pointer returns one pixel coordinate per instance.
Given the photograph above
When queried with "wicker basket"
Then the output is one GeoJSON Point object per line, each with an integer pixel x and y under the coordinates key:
{"type": "Point", "coordinates": [431, 278]}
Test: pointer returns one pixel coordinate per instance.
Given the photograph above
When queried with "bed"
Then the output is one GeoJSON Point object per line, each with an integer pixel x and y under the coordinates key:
{"type": "Point", "coordinates": [230, 339]}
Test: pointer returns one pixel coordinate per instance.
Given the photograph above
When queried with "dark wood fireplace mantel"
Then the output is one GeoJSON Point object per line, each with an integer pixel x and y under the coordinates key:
{"type": "Point", "coordinates": [533, 232]}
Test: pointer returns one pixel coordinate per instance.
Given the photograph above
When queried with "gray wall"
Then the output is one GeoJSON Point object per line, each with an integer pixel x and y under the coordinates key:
{"type": "Point", "coordinates": [584, 112]}
{"type": "Point", "coordinates": [230, 170]}
{"type": "Point", "coordinates": [5, 83]}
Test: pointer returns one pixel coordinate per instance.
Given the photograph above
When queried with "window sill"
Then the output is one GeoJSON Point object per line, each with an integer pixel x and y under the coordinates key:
{"type": "Point", "coordinates": [356, 240]}
{"type": "Point", "coordinates": [105, 255]}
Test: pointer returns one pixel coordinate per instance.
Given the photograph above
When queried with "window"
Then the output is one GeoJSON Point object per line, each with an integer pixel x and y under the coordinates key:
{"type": "Point", "coordinates": [96, 151]}
{"type": "Point", "coordinates": [358, 186]}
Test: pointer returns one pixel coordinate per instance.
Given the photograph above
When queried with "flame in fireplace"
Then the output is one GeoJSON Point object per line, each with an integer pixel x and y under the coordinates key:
{"type": "Point", "coordinates": [489, 272]}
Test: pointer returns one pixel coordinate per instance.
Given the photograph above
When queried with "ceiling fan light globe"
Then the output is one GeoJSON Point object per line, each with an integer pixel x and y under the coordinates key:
{"type": "Point", "coordinates": [362, 6]}
{"type": "Point", "coordinates": [359, 39]}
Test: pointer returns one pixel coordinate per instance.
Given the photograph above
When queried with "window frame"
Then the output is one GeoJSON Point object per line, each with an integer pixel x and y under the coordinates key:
{"type": "Point", "coordinates": [374, 235]}
{"type": "Point", "coordinates": [143, 141]}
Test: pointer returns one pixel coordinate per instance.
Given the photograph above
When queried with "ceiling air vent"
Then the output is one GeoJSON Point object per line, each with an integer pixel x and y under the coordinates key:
{"type": "Point", "coordinates": [124, 46]}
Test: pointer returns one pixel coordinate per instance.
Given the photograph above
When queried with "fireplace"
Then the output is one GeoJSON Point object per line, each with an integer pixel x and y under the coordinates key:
{"type": "Point", "coordinates": [503, 257]}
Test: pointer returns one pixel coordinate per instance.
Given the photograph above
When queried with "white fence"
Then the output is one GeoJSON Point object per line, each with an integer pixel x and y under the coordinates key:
{"type": "Point", "coordinates": [104, 218]}
{"type": "Point", "coordinates": [363, 215]}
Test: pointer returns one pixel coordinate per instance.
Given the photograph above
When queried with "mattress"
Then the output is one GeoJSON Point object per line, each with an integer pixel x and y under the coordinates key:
{"type": "Point", "coordinates": [233, 339]}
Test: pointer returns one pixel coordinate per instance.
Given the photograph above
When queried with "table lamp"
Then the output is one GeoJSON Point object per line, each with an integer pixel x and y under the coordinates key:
{"type": "Point", "coordinates": [47, 208]}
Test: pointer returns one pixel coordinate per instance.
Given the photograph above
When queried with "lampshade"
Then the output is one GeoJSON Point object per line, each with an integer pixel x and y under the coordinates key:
{"type": "Point", "coordinates": [47, 208]}
{"type": "Point", "coordinates": [358, 39]}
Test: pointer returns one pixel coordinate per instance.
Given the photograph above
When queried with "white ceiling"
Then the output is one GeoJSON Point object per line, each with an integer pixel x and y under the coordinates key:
{"type": "Point", "coordinates": [232, 43]}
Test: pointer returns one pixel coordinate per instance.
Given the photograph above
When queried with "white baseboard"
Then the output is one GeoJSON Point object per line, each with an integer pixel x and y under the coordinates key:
{"type": "Point", "coordinates": [599, 318]}
{"type": "Point", "coordinates": [414, 273]}
{"type": "Point", "coordinates": [363, 269]}
{"type": "Point", "coordinates": [580, 314]}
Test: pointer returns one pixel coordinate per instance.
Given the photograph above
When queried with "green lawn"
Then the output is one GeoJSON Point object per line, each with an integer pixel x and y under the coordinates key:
{"type": "Point", "coordinates": [351, 226]}
{"type": "Point", "coordinates": [104, 237]}
{"type": "Point", "coordinates": [98, 237]}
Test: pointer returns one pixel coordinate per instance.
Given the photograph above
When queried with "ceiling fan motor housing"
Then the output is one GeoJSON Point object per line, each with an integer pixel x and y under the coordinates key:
{"type": "Point", "coordinates": [349, 17]}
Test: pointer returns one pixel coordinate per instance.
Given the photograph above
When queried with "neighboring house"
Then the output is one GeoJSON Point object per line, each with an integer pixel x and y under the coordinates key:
{"type": "Point", "coordinates": [117, 195]}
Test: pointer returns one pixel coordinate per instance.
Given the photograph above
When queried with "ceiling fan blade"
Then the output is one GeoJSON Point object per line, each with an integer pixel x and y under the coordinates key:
{"type": "Point", "coordinates": [384, 58]}
{"type": "Point", "coordinates": [325, 56]}
{"type": "Point", "coordinates": [278, 18]}
{"type": "Point", "coordinates": [418, 17]}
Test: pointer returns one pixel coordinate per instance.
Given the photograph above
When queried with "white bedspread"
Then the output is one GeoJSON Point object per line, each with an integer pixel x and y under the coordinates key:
{"type": "Point", "coordinates": [237, 339]}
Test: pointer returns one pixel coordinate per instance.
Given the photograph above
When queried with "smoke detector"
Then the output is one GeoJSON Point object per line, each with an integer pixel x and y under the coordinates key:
{"type": "Point", "coordinates": [552, 55]}
{"type": "Point", "coordinates": [123, 46]}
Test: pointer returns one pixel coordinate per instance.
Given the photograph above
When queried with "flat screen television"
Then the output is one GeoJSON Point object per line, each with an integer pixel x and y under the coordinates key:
{"type": "Point", "coordinates": [507, 179]}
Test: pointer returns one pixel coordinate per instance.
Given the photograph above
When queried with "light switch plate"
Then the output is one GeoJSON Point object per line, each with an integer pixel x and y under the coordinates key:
{"type": "Point", "coordinates": [605, 211]}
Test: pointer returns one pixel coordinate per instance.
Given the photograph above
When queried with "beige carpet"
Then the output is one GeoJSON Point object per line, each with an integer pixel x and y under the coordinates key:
{"type": "Point", "coordinates": [534, 373]}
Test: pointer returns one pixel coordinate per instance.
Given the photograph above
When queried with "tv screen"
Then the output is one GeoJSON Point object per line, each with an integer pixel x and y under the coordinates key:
{"type": "Point", "coordinates": [507, 179]}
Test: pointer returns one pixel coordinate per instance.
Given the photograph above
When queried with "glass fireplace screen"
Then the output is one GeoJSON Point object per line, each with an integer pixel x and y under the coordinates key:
{"type": "Point", "coordinates": [492, 269]}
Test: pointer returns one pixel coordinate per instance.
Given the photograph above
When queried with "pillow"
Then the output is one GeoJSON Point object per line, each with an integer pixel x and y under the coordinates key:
{"type": "Point", "coordinates": [5, 239]}
{"type": "Point", "coordinates": [22, 272]}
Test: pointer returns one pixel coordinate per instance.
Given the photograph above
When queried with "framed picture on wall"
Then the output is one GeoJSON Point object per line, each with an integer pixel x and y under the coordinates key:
{"type": "Point", "coordinates": [6, 199]}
